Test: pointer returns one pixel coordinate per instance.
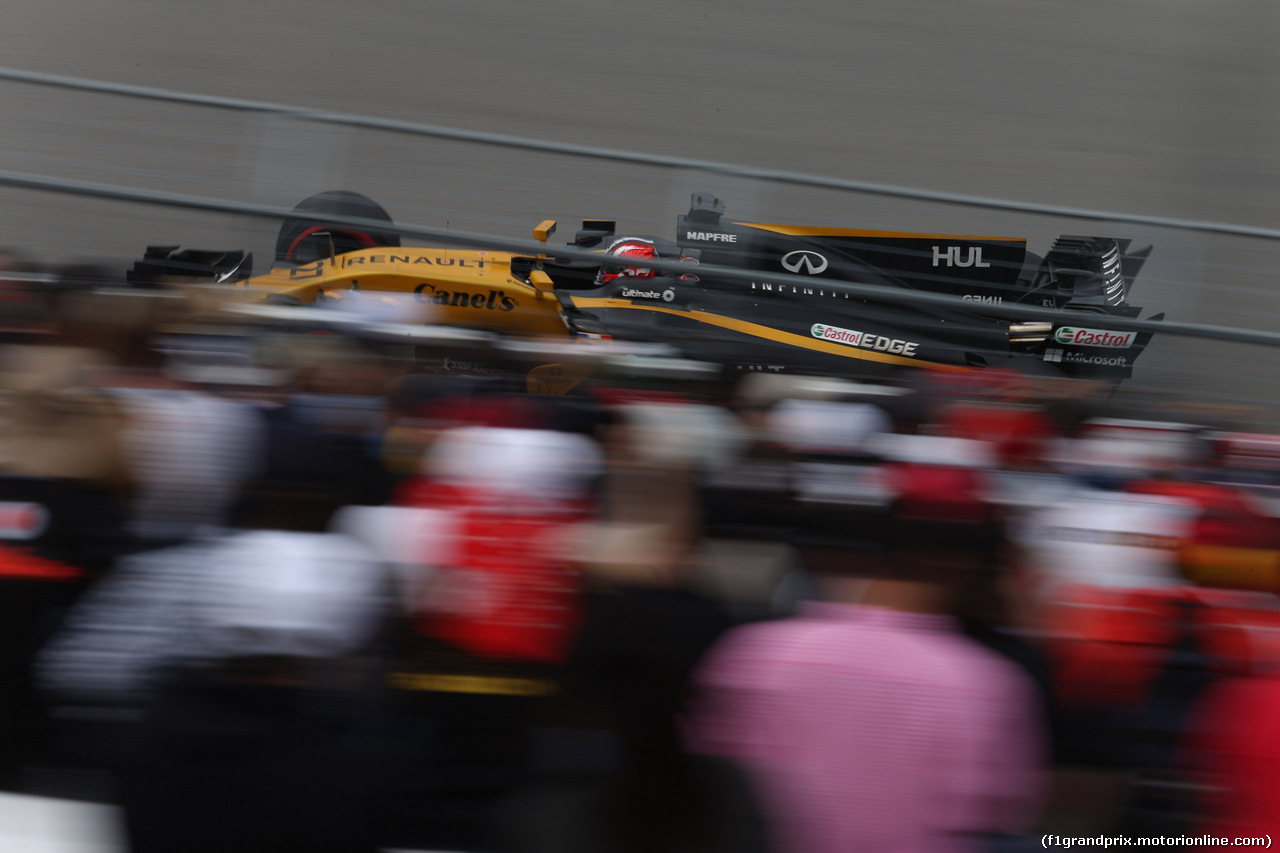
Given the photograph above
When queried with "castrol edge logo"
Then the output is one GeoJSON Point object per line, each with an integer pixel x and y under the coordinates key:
{"type": "Point", "coordinates": [1078, 337]}
{"type": "Point", "coordinates": [22, 520]}
{"type": "Point", "coordinates": [851, 338]}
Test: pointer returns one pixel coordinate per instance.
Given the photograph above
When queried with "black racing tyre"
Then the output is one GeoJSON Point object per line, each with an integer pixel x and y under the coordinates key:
{"type": "Point", "coordinates": [300, 240]}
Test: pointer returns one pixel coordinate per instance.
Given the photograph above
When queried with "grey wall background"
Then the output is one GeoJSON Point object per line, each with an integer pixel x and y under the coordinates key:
{"type": "Point", "coordinates": [1157, 107]}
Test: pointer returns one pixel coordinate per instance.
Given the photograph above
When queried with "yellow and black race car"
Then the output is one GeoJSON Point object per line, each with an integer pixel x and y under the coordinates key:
{"type": "Point", "coordinates": [788, 304]}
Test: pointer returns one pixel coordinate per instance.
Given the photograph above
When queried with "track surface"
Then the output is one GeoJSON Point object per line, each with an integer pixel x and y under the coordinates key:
{"type": "Point", "coordinates": [1159, 107]}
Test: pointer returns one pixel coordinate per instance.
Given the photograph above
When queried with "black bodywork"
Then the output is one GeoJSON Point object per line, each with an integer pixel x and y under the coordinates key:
{"type": "Point", "coordinates": [765, 324]}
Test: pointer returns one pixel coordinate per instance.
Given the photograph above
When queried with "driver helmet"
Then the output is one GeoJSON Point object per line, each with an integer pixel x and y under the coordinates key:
{"type": "Point", "coordinates": [628, 247]}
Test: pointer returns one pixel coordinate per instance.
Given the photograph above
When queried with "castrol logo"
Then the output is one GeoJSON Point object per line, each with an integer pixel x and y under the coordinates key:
{"type": "Point", "coordinates": [1078, 337]}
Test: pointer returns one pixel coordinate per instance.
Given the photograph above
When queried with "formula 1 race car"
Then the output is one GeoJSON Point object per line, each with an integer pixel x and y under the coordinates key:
{"type": "Point", "coordinates": [791, 309]}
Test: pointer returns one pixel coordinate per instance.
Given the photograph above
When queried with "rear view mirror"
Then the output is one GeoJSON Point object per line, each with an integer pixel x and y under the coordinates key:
{"type": "Point", "coordinates": [545, 229]}
{"type": "Point", "coordinates": [541, 281]}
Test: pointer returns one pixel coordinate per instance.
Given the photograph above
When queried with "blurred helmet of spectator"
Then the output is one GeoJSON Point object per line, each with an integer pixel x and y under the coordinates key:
{"type": "Point", "coordinates": [190, 456]}
{"type": "Point", "coordinates": [825, 426]}
{"type": "Point", "coordinates": [1106, 452]}
{"type": "Point", "coordinates": [680, 434]}
{"type": "Point", "coordinates": [940, 502]}
{"type": "Point", "coordinates": [277, 593]}
{"type": "Point", "coordinates": [1105, 539]}
{"type": "Point", "coordinates": [501, 550]}
{"type": "Point", "coordinates": [516, 465]}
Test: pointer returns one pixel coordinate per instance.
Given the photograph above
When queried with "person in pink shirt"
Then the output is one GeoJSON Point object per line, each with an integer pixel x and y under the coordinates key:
{"type": "Point", "coordinates": [869, 721]}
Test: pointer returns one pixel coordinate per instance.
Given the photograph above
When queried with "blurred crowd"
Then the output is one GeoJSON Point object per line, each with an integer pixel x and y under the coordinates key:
{"type": "Point", "coordinates": [273, 585]}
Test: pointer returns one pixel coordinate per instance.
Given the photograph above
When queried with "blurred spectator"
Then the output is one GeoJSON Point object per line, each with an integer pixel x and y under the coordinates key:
{"type": "Point", "coordinates": [150, 614]}
{"type": "Point", "coordinates": [643, 632]}
{"type": "Point", "coordinates": [89, 311]}
{"type": "Point", "coordinates": [1233, 543]}
{"type": "Point", "coordinates": [501, 586]}
{"type": "Point", "coordinates": [1234, 745]}
{"type": "Point", "coordinates": [748, 509]}
{"type": "Point", "coordinates": [488, 576]}
{"type": "Point", "coordinates": [1102, 538]}
{"type": "Point", "coordinates": [1106, 567]}
{"type": "Point", "coordinates": [649, 509]}
{"type": "Point", "coordinates": [324, 427]}
{"type": "Point", "coordinates": [191, 455]}
{"type": "Point", "coordinates": [234, 649]}
{"type": "Point", "coordinates": [62, 489]}
{"type": "Point", "coordinates": [870, 722]}
{"type": "Point", "coordinates": [831, 470]}
{"type": "Point", "coordinates": [1099, 534]}
{"type": "Point", "coordinates": [262, 742]}
{"type": "Point", "coordinates": [187, 454]}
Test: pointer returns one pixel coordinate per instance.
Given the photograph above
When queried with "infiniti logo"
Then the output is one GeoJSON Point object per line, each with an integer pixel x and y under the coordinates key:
{"type": "Point", "coordinates": [810, 263]}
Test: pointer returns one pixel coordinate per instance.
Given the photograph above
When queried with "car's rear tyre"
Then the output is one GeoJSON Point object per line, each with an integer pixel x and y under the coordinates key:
{"type": "Point", "coordinates": [302, 240]}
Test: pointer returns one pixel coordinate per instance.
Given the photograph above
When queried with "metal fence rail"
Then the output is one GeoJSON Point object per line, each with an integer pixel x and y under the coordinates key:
{"type": "Point", "coordinates": [593, 152]}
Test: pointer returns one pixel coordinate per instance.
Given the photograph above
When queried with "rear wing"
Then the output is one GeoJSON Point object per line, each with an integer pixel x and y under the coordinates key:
{"type": "Point", "coordinates": [167, 264]}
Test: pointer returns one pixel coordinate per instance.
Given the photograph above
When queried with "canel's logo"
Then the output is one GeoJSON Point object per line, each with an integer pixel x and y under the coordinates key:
{"type": "Point", "coordinates": [952, 256]}
{"type": "Point", "coordinates": [1093, 337]}
{"type": "Point", "coordinates": [811, 263]}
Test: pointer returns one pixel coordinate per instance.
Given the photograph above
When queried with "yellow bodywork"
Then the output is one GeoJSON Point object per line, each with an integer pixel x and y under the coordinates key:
{"type": "Point", "coordinates": [454, 287]}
